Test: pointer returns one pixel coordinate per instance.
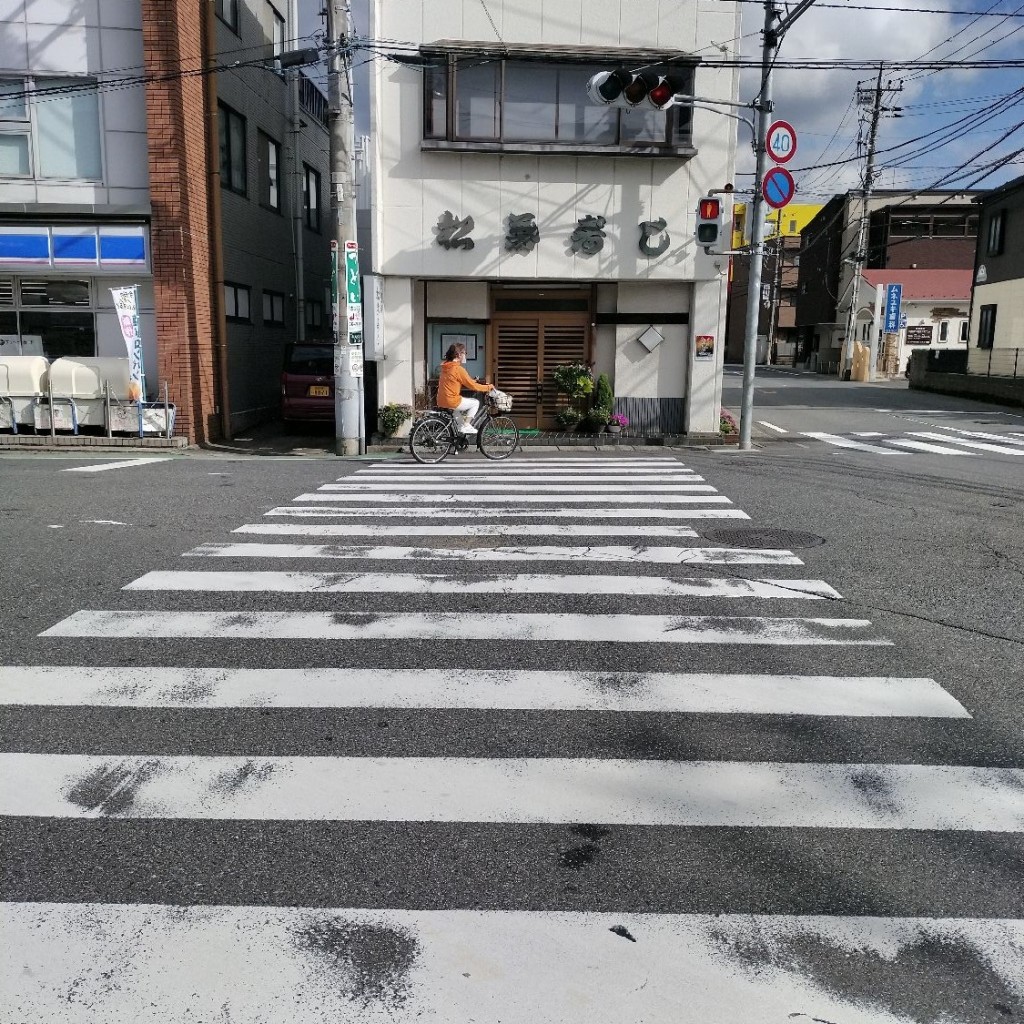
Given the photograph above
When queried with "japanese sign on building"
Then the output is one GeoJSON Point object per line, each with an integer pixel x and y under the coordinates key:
{"type": "Point", "coordinates": [893, 300]}
{"type": "Point", "coordinates": [126, 302]}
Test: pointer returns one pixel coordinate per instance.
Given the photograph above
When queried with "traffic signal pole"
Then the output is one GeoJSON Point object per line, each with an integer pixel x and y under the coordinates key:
{"type": "Point", "coordinates": [348, 386]}
{"type": "Point", "coordinates": [763, 106]}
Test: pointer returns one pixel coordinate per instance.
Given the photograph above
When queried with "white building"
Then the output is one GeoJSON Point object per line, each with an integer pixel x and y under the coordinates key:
{"type": "Point", "coordinates": [512, 211]}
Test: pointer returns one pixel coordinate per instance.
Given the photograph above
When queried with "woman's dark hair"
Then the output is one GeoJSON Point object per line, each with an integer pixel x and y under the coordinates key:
{"type": "Point", "coordinates": [454, 351]}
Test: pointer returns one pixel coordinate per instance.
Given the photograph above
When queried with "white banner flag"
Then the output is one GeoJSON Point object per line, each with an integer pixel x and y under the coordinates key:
{"type": "Point", "coordinates": [126, 302]}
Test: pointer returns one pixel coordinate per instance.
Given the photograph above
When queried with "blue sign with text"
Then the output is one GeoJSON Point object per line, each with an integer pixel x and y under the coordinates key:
{"type": "Point", "coordinates": [893, 299]}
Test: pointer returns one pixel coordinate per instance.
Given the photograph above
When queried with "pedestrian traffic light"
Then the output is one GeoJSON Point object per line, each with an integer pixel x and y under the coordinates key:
{"type": "Point", "coordinates": [623, 88]}
{"type": "Point", "coordinates": [709, 220]}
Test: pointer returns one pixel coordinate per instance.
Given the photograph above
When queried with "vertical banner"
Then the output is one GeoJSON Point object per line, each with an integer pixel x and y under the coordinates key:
{"type": "Point", "coordinates": [353, 294]}
{"type": "Point", "coordinates": [893, 302]}
{"type": "Point", "coordinates": [126, 302]}
{"type": "Point", "coordinates": [335, 299]}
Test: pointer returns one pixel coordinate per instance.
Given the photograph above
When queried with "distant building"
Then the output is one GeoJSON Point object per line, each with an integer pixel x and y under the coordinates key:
{"type": "Point", "coordinates": [930, 230]}
{"type": "Point", "coordinates": [123, 161]}
{"type": "Point", "coordinates": [776, 330]}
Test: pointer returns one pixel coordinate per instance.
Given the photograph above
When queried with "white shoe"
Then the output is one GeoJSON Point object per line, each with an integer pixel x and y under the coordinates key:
{"type": "Point", "coordinates": [468, 431]}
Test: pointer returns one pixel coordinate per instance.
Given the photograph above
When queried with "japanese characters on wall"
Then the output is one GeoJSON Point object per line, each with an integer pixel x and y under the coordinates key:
{"type": "Point", "coordinates": [522, 234]}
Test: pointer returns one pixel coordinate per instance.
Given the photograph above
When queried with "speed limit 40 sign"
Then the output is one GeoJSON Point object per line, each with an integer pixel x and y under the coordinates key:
{"type": "Point", "coordinates": [781, 141]}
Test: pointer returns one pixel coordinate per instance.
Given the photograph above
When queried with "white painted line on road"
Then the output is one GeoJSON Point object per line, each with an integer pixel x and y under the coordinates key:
{"type": "Point", "coordinates": [467, 530]}
{"type": "Point", "coordinates": [576, 514]}
{"type": "Point", "coordinates": [515, 487]}
{"type": "Point", "coordinates": [454, 626]}
{"type": "Point", "coordinates": [305, 965]}
{"type": "Point", "coordinates": [570, 460]}
{"type": "Point", "coordinates": [845, 442]}
{"type": "Point", "coordinates": [868, 433]}
{"type": "Point", "coordinates": [637, 553]}
{"type": "Point", "coordinates": [475, 497]}
{"type": "Point", "coordinates": [126, 464]}
{"type": "Point", "coordinates": [697, 693]}
{"type": "Point", "coordinates": [1002, 438]}
{"type": "Point", "coordinates": [965, 443]}
{"type": "Point", "coordinates": [733, 794]}
{"type": "Point", "coordinates": [924, 446]}
{"type": "Point", "coordinates": [771, 426]}
{"type": "Point", "coordinates": [476, 479]}
{"type": "Point", "coordinates": [437, 583]}
{"type": "Point", "coordinates": [379, 511]}
{"type": "Point", "coordinates": [406, 469]}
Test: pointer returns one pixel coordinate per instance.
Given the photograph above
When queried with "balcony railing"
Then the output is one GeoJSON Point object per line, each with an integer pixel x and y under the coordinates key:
{"type": "Point", "coordinates": [312, 100]}
{"type": "Point", "coordinates": [996, 362]}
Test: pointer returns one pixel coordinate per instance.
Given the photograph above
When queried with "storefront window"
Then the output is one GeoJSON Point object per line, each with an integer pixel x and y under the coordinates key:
{"type": "Point", "coordinates": [63, 334]}
{"type": "Point", "coordinates": [54, 292]}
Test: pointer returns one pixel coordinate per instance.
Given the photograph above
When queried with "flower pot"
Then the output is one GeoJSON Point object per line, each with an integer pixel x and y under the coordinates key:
{"type": "Point", "coordinates": [614, 428]}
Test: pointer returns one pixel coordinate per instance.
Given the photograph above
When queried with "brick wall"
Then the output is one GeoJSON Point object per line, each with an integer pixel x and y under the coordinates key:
{"type": "Point", "coordinates": [178, 175]}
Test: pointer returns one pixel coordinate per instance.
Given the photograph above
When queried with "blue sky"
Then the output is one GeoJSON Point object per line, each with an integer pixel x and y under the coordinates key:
{"type": "Point", "coordinates": [821, 105]}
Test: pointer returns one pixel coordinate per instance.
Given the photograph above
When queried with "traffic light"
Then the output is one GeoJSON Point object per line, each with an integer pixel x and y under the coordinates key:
{"type": "Point", "coordinates": [623, 88]}
{"type": "Point", "coordinates": [709, 220]}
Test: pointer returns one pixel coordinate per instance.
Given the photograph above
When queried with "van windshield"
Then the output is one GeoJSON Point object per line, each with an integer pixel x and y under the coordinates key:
{"type": "Point", "coordinates": [311, 359]}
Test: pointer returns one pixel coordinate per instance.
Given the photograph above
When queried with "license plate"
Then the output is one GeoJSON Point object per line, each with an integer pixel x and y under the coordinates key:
{"type": "Point", "coordinates": [319, 391]}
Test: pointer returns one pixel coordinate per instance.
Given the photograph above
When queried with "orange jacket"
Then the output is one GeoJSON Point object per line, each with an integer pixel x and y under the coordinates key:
{"type": "Point", "coordinates": [453, 379]}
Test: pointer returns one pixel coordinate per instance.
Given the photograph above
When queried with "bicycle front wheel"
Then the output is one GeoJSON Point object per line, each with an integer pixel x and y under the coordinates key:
{"type": "Point", "coordinates": [499, 437]}
{"type": "Point", "coordinates": [431, 440]}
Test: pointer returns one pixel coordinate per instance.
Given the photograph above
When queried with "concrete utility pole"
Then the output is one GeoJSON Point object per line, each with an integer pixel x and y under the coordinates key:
{"type": "Point", "coordinates": [774, 29]}
{"type": "Point", "coordinates": [859, 254]}
{"type": "Point", "coordinates": [348, 349]}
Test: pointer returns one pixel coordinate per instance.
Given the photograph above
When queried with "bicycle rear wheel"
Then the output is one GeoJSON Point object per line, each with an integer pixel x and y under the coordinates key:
{"type": "Point", "coordinates": [499, 437]}
{"type": "Point", "coordinates": [431, 440]}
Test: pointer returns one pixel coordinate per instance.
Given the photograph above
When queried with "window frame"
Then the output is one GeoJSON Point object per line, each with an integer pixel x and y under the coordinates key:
{"type": "Point", "coordinates": [225, 116]}
{"type": "Point", "coordinates": [443, 65]}
{"type": "Point", "coordinates": [311, 175]}
{"type": "Point", "coordinates": [987, 325]}
{"type": "Point", "coordinates": [219, 7]}
{"type": "Point", "coordinates": [965, 330]}
{"type": "Point", "coordinates": [268, 146]}
{"type": "Point", "coordinates": [995, 234]}
{"type": "Point", "coordinates": [278, 30]}
{"type": "Point", "coordinates": [273, 297]}
{"type": "Point", "coordinates": [314, 313]}
{"type": "Point", "coordinates": [232, 292]}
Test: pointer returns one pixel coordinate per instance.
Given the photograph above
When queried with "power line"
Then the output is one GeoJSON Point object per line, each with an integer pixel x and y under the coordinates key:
{"type": "Point", "coordinates": [898, 10]}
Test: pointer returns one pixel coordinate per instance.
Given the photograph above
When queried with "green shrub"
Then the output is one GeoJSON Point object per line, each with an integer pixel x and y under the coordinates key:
{"type": "Point", "coordinates": [392, 416]}
{"type": "Point", "coordinates": [568, 419]}
{"type": "Point", "coordinates": [604, 398]}
{"type": "Point", "coordinates": [596, 418]}
{"type": "Point", "coordinates": [573, 379]}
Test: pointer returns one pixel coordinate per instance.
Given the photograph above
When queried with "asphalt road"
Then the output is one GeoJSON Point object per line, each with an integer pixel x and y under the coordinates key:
{"type": "Point", "coordinates": [861, 911]}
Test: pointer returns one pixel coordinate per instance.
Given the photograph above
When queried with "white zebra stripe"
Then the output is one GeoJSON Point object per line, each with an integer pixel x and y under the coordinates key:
{"type": "Point", "coordinates": [124, 464]}
{"type": "Point", "coordinates": [983, 446]}
{"type": "Point", "coordinates": [466, 530]}
{"type": "Point", "coordinates": [734, 794]}
{"type": "Point", "coordinates": [581, 461]}
{"type": "Point", "coordinates": [421, 583]}
{"type": "Point", "coordinates": [1001, 438]}
{"type": "Point", "coordinates": [519, 482]}
{"type": "Point", "coordinates": [496, 689]}
{"type": "Point", "coordinates": [378, 510]}
{"type": "Point", "coordinates": [453, 626]}
{"type": "Point", "coordinates": [924, 446]}
{"type": "Point", "coordinates": [610, 553]}
{"type": "Point", "coordinates": [845, 442]}
{"type": "Point", "coordinates": [576, 514]}
{"type": "Point", "coordinates": [572, 487]}
{"type": "Point", "coordinates": [131, 963]}
{"type": "Point", "coordinates": [681, 493]}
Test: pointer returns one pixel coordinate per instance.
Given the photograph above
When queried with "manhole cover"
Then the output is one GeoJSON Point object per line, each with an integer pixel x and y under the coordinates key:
{"type": "Point", "coordinates": [754, 538]}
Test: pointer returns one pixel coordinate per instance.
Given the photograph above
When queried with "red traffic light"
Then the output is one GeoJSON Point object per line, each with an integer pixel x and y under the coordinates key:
{"type": "Point", "coordinates": [662, 94]}
{"type": "Point", "coordinates": [709, 208]}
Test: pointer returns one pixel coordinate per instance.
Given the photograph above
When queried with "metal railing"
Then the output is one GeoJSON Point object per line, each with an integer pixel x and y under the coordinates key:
{"type": "Point", "coordinates": [996, 362]}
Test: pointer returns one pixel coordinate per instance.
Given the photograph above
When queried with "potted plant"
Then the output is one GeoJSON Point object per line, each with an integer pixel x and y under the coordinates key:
{"type": "Point", "coordinates": [603, 394]}
{"type": "Point", "coordinates": [568, 419]}
{"type": "Point", "coordinates": [727, 423]}
{"type": "Point", "coordinates": [596, 419]}
{"type": "Point", "coordinates": [392, 416]}
{"type": "Point", "coordinates": [574, 380]}
{"type": "Point", "coordinates": [616, 422]}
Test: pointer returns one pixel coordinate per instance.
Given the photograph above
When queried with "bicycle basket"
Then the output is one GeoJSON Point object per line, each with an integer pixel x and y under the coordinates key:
{"type": "Point", "coordinates": [500, 400]}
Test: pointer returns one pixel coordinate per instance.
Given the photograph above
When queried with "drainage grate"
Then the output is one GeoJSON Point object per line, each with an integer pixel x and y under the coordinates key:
{"type": "Point", "coordinates": [755, 538]}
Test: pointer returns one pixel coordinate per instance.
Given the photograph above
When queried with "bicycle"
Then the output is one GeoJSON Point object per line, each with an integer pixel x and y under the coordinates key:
{"type": "Point", "coordinates": [437, 434]}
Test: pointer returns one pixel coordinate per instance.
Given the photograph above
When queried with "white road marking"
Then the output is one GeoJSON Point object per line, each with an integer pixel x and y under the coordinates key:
{"type": "Point", "coordinates": [868, 433]}
{"type": "Point", "coordinates": [105, 522]}
{"type": "Point", "coordinates": [571, 486]}
{"type": "Point", "coordinates": [610, 553]}
{"type": "Point", "coordinates": [376, 626]}
{"type": "Point", "coordinates": [963, 442]}
{"type": "Point", "coordinates": [467, 530]}
{"type": "Point", "coordinates": [734, 794]}
{"type": "Point", "coordinates": [127, 464]}
{"type": "Point", "coordinates": [924, 446]}
{"type": "Point", "coordinates": [438, 583]}
{"type": "Point", "coordinates": [139, 964]}
{"type": "Point", "coordinates": [378, 511]}
{"type": "Point", "coordinates": [1002, 438]}
{"type": "Point", "coordinates": [771, 426]}
{"type": "Point", "coordinates": [845, 442]}
{"type": "Point", "coordinates": [407, 480]}
{"type": "Point", "coordinates": [142, 686]}
{"type": "Point", "coordinates": [476, 498]}
{"type": "Point", "coordinates": [577, 515]}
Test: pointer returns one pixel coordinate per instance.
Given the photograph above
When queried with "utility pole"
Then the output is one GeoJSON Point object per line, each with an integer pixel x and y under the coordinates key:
{"type": "Point", "coordinates": [349, 436]}
{"type": "Point", "coordinates": [860, 254]}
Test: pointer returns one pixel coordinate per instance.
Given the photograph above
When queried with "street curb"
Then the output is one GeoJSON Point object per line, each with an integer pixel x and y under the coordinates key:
{"type": "Point", "coordinates": [12, 442]}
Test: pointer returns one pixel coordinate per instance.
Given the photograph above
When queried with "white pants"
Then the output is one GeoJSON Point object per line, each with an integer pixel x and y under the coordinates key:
{"type": "Point", "coordinates": [468, 409]}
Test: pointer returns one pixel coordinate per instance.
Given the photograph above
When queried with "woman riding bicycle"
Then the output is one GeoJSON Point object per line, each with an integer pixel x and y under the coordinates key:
{"type": "Point", "coordinates": [453, 379]}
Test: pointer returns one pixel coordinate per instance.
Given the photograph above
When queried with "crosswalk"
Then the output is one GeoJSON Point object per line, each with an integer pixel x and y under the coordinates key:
{"type": "Point", "coordinates": [949, 441]}
{"type": "Point", "coordinates": [544, 753]}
